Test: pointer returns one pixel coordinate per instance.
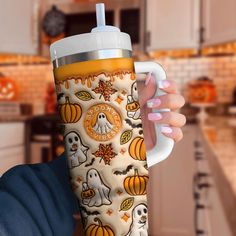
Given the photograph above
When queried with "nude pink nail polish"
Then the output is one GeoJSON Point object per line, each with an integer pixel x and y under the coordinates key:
{"type": "Point", "coordinates": [154, 103]}
{"type": "Point", "coordinates": [154, 116]}
{"type": "Point", "coordinates": [162, 84]}
{"type": "Point", "coordinates": [166, 130]}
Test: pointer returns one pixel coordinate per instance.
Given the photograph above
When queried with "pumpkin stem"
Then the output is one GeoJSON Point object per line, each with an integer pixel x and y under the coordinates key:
{"type": "Point", "coordinates": [98, 220]}
{"type": "Point", "coordinates": [135, 172]}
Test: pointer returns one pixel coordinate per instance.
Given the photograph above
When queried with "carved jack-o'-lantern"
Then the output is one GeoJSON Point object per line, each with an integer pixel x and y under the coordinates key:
{"type": "Point", "coordinates": [202, 91]}
{"type": "Point", "coordinates": [134, 106]}
{"type": "Point", "coordinates": [87, 192]}
{"type": "Point", "coordinates": [8, 89]}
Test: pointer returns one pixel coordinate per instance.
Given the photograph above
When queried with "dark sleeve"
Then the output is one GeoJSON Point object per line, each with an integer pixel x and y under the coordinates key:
{"type": "Point", "coordinates": [37, 200]}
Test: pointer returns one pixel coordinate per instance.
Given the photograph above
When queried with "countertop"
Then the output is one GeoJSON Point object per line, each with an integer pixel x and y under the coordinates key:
{"type": "Point", "coordinates": [220, 147]}
{"type": "Point", "coordinates": [21, 118]}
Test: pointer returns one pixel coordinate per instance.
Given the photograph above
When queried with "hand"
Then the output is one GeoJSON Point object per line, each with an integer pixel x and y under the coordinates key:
{"type": "Point", "coordinates": [172, 120]}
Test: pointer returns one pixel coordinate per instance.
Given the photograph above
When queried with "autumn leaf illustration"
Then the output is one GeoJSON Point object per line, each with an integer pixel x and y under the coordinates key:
{"type": "Point", "coordinates": [105, 151]}
{"type": "Point", "coordinates": [105, 89]}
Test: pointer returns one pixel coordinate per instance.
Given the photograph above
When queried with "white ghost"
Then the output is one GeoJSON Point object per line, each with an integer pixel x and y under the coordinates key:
{"type": "Point", "coordinates": [134, 91]}
{"type": "Point", "coordinates": [94, 181]}
{"type": "Point", "coordinates": [102, 126]}
{"type": "Point", "coordinates": [133, 110]}
{"type": "Point", "coordinates": [139, 225]}
{"type": "Point", "coordinates": [75, 149]}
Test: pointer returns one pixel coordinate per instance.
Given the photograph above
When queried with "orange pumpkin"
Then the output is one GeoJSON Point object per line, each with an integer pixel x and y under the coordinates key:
{"type": "Point", "coordinates": [202, 91]}
{"type": "Point", "coordinates": [99, 229]}
{"type": "Point", "coordinates": [133, 106]}
{"type": "Point", "coordinates": [8, 90]}
{"type": "Point", "coordinates": [137, 149]}
{"type": "Point", "coordinates": [136, 185]}
{"type": "Point", "coordinates": [70, 113]}
{"type": "Point", "coordinates": [88, 193]}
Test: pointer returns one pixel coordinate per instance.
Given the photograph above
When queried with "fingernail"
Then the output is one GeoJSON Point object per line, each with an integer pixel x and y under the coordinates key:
{"type": "Point", "coordinates": [166, 130]}
{"type": "Point", "coordinates": [162, 84]}
{"type": "Point", "coordinates": [149, 75]}
{"type": "Point", "coordinates": [153, 103]}
{"type": "Point", "coordinates": [154, 116]}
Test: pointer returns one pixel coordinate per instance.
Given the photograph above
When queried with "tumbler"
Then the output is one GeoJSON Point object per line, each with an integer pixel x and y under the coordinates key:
{"type": "Point", "coordinates": [98, 104]}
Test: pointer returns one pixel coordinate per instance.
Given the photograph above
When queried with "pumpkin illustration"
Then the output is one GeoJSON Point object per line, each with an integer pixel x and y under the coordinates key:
{"type": "Point", "coordinates": [136, 185]}
{"type": "Point", "coordinates": [87, 192]}
{"type": "Point", "coordinates": [99, 230]}
{"type": "Point", "coordinates": [137, 149]}
{"type": "Point", "coordinates": [133, 106]}
{"type": "Point", "coordinates": [70, 113]}
{"type": "Point", "coordinates": [8, 90]}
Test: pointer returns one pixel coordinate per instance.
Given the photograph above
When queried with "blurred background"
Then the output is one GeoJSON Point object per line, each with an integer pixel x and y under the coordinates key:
{"type": "Point", "coordinates": [194, 191]}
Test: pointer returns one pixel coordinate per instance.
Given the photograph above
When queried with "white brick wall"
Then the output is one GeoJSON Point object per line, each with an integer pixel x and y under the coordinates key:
{"type": "Point", "coordinates": [221, 69]}
{"type": "Point", "coordinates": [33, 80]}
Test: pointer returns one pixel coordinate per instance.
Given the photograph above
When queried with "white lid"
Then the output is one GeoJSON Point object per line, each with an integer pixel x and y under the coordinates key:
{"type": "Point", "coordinates": [101, 37]}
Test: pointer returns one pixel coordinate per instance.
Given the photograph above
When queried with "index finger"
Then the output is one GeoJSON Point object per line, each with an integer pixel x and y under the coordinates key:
{"type": "Point", "coordinates": [168, 86]}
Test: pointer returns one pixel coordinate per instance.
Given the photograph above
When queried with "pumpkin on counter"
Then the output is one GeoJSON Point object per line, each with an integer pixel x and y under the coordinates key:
{"type": "Point", "coordinates": [8, 90]}
{"type": "Point", "coordinates": [137, 149]}
{"type": "Point", "coordinates": [201, 90]}
{"type": "Point", "coordinates": [136, 184]}
{"type": "Point", "coordinates": [70, 112]}
{"type": "Point", "coordinates": [99, 229]}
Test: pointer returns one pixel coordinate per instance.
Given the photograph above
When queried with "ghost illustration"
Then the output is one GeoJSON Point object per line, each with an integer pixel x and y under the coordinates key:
{"type": "Point", "coordinates": [133, 107]}
{"type": "Point", "coordinates": [75, 149]}
{"type": "Point", "coordinates": [94, 181]}
{"type": "Point", "coordinates": [139, 225]}
{"type": "Point", "coordinates": [103, 125]}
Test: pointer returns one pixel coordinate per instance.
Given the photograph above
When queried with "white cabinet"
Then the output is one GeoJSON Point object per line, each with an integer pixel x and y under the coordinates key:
{"type": "Point", "coordinates": [19, 26]}
{"type": "Point", "coordinates": [173, 24]}
{"type": "Point", "coordinates": [219, 21]}
{"type": "Point", "coordinates": [171, 204]}
{"type": "Point", "coordinates": [12, 145]}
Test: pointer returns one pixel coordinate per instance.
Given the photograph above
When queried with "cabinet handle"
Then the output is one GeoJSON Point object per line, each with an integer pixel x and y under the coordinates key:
{"type": "Point", "coordinates": [202, 34]}
{"type": "Point", "coordinates": [148, 39]}
{"type": "Point", "coordinates": [200, 232]}
{"type": "Point", "coordinates": [34, 20]}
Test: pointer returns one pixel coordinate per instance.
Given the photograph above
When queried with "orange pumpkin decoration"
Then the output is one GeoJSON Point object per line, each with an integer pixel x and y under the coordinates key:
{"type": "Point", "coordinates": [8, 90]}
{"type": "Point", "coordinates": [99, 230]}
{"type": "Point", "coordinates": [136, 185]}
{"type": "Point", "coordinates": [202, 91]}
{"type": "Point", "coordinates": [137, 149]}
{"type": "Point", "coordinates": [133, 106]}
{"type": "Point", "coordinates": [88, 193]}
{"type": "Point", "coordinates": [70, 113]}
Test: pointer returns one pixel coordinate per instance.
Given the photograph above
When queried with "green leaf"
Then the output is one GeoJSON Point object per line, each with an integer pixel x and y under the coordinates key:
{"type": "Point", "coordinates": [84, 95]}
{"type": "Point", "coordinates": [127, 204]}
{"type": "Point", "coordinates": [126, 136]}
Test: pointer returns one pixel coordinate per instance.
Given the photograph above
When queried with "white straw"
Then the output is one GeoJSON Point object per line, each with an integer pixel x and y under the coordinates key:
{"type": "Point", "coordinates": [100, 14]}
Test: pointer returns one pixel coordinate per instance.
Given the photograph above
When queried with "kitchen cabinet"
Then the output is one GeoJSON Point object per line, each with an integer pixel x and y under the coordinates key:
{"type": "Point", "coordinates": [12, 145]}
{"type": "Point", "coordinates": [171, 204]}
{"type": "Point", "coordinates": [173, 24]}
{"type": "Point", "coordinates": [19, 26]}
{"type": "Point", "coordinates": [218, 21]}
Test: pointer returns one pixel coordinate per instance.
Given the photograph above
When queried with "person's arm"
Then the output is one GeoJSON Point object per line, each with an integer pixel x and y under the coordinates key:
{"type": "Point", "coordinates": [37, 200]}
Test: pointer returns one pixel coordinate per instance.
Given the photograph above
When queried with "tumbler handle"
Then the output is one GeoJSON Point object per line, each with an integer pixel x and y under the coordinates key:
{"type": "Point", "coordinates": [163, 145]}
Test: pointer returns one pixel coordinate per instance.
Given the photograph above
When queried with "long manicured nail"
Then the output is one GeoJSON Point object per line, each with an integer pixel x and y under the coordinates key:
{"type": "Point", "coordinates": [155, 102]}
{"type": "Point", "coordinates": [154, 116]}
{"type": "Point", "coordinates": [162, 84]}
{"type": "Point", "coordinates": [166, 130]}
{"type": "Point", "coordinates": [149, 75]}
